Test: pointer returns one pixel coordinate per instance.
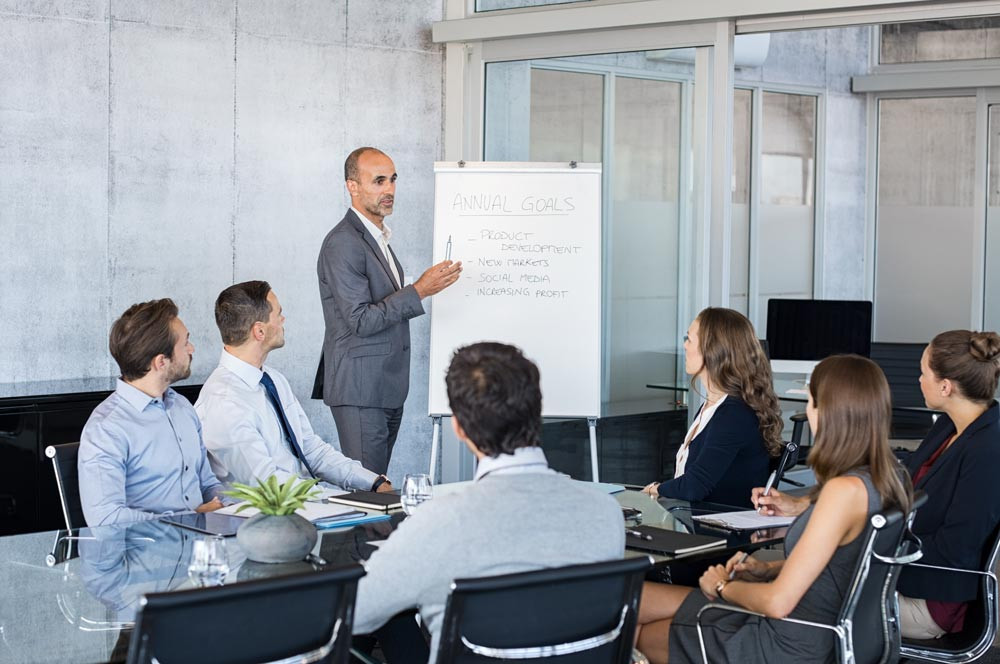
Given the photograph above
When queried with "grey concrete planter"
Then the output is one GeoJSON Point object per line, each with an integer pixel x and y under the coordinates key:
{"type": "Point", "coordinates": [276, 539]}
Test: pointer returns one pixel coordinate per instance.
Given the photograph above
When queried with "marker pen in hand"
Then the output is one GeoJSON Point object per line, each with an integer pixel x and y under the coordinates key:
{"type": "Point", "coordinates": [447, 250]}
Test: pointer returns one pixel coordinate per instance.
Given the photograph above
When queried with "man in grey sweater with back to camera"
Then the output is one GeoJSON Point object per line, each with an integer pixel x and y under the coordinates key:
{"type": "Point", "coordinates": [518, 515]}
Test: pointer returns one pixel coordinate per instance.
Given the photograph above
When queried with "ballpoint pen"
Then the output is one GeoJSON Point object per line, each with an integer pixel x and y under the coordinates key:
{"type": "Point", "coordinates": [743, 559]}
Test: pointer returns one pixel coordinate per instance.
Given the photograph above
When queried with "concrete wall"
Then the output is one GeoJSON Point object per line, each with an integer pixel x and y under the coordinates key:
{"type": "Point", "coordinates": [169, 148]}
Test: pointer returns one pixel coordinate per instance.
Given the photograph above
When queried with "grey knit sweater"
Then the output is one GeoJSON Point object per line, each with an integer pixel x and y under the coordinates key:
{"type": "Point", "coordinates": [501, 524]}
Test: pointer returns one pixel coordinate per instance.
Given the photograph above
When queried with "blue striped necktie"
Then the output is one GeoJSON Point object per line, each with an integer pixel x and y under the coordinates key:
{"type": "Point", "coordinates": [272, 394]}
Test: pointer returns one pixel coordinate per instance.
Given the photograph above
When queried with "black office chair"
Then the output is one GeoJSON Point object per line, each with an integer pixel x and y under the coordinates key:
{"type": "Point", "coordinates": [581, 614]}
{"type": "Point", "coordinates": [300, 618]}
{"type": "Point", "coordinates": [64, 466]}
{"type": "Point", "coordinates": [980, 628]}
{"type": "Point", "coordinates": [867, 628]}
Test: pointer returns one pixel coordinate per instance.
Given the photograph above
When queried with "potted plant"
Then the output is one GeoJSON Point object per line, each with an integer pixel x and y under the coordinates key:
{"type": "Point", "coordinates": [277, 534]}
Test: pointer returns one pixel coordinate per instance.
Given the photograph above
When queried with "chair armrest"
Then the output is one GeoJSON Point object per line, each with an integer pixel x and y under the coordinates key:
{"type": "Point", "coordinates": [365, 659]}
{"type": "Point", "coordinates": [955, 569]}
{"type": "Point", "coordinates": [906, 559]}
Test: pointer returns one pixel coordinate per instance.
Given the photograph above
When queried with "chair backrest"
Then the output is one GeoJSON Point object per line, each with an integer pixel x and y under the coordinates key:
{"type": "Point", "coordinates": [577, 614]}
{"type": "Point", "coordinates": [869, 608]}
{"type": "Point", "coordinates": [64, 465]}
{"type": "Point", "coordinates": [267, 620]}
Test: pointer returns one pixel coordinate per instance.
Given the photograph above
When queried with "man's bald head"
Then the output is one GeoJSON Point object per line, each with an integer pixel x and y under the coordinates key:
{"type": "Point", "coordinates": [351, 163]}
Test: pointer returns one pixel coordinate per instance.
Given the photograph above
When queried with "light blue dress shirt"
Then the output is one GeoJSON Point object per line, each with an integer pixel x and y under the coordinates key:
{"type": "Point", "coordinates": [141, 457]}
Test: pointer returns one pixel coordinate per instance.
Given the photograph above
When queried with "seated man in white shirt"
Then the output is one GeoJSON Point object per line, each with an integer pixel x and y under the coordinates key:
{"type": "Point", "coordinates": [252, 424]}
{"type": "Point", "coordinates": [517, 515]}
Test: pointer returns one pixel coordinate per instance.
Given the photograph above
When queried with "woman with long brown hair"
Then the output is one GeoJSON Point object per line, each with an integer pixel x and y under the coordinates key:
{"type": "Point", "coordinates": [849, 411]}
{"type": "Point", "coordinates": [725, 453]}
{"type": "Point", "coordinates": [955, 466]}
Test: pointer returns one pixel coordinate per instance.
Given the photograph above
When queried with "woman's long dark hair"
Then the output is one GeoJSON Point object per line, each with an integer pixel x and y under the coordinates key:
{"type": "Point", "coordinates": [736, 365]}
{"type": "Point", "coordinates": [854, 406]}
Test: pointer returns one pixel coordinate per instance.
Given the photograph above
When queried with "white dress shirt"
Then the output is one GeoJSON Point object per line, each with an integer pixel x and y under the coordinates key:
{"type": "Point", "coordinates": [523, 460]}
{"type": "Point", "coordinates": [244, 437]}
{"type": "Point", "coordinates": [700, 422]}
{"type": "Point", "coordinates": [382, 239]}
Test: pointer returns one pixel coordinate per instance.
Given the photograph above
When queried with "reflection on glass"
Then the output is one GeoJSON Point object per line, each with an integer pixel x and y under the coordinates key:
{"type": "Point", "coordinates": [546, 111]}
{"type": "Point", "coordinates": [992, 291]}
{"type": "Point", "coordinates": [567, 111]}
{"type": "Point", "coordinates": [931, 41]}
{"type": "Point", "coordinates": [787, 185]}
{"type": "Point", "coordinates": [924, 217]}
{"type": "Point", "coordinates": [739, 274]}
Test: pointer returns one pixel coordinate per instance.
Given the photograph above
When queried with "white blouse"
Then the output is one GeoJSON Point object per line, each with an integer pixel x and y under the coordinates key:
{"type": "Point", "coordinates": [700, 422]}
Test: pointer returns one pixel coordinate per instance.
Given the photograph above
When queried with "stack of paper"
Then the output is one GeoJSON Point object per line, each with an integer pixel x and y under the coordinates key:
{"type": "Point", "coordinates": [310, 511]}
{"type": "Point", "coordinates": [746, 520]}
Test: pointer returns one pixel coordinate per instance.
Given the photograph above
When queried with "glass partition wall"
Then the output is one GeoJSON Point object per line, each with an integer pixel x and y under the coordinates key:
{"type": "Point", "coordinates": [594, 109]}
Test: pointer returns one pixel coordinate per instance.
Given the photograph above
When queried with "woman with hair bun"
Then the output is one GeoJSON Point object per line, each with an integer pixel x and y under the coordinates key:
{"type": "Point", "coordinates": [725, 453]}
{"type": "Point", "coordinates": [956, 466]}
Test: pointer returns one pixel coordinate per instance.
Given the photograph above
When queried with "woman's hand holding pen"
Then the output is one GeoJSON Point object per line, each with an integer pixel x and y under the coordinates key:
{"type": "Point", "coordinates": [776, 503]}
{"type": "Point", "coordinates": [743, 567]}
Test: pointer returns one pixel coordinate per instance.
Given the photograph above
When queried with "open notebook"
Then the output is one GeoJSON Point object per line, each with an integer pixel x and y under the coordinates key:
{"type": "Point", "coordinates": [745, 520]}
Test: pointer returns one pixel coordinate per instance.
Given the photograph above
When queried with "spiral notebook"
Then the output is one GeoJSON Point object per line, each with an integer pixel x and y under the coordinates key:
{"type": "Point", "coordinates": [745, 520]}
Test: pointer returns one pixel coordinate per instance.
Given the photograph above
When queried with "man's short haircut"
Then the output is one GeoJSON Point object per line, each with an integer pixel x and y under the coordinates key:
{"type": "Point", "coordinates": [494, 392]}
{"type": "Point", "coordinates": [351, 163]}
{"type": "Point", "coordinates": [240, 306]}
{"type": "Point", "coordinates": [140, 334]}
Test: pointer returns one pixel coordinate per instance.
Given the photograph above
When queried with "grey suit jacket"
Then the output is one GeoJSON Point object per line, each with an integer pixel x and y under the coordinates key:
{"type": "Point", "coordinates": [366, 349]}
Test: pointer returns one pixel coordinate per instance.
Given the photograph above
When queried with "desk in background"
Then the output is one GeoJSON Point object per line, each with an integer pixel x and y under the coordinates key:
{"type": "Point", "coordinates": [32, 417]}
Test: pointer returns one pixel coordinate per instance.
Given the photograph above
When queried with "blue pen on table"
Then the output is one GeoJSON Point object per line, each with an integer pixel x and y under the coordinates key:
{"type": "Point", "coordinates": [638, 533]}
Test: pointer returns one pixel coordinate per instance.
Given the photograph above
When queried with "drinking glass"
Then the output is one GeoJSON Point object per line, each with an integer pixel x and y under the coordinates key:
{"type": "Point", "coordinates": [209, 563]}
{"type": "Point", "coordinates": [416, 489]}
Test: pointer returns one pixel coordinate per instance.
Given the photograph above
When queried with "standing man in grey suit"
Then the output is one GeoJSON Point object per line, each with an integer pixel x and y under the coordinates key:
{"type": "Point", "coordinates": [366, 349]}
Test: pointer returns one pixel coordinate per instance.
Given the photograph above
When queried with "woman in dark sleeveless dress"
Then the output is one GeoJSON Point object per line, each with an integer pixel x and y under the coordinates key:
{"type": "Point", "coordinates": [849, 410]}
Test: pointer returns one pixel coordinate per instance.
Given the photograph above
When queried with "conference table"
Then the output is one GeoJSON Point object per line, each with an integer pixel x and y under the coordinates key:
{"type": "Point", "coordinates": [73, 600]}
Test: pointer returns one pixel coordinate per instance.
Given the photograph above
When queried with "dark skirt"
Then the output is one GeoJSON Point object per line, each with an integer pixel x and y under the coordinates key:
{"type": "Point", "coordinates": [738, 638]}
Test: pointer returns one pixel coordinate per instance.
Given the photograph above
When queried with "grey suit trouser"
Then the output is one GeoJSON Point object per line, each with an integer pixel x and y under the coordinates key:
{"type": "Point", "coordinates": [368, 434]}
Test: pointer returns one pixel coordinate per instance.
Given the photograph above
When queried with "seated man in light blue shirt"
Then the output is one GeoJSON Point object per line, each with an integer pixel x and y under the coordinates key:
{"type": "Point", "coordinates": [141, 454]}
{"type": "Point", "coordinates": [254, 426]}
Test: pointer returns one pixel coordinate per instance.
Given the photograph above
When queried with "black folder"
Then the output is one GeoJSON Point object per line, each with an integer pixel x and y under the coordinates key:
{"type": "Point", "coordinates": [670, 541]}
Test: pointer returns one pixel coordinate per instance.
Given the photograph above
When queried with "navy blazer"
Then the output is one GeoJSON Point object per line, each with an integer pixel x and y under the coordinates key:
{"type": "Point", "coordinates": [726, 460]}
{"type": "Point", "coordinates": [962, 509]}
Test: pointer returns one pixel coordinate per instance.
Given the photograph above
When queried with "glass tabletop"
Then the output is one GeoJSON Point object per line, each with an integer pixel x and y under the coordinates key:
{"type": "Point", "coordinates": [677, 515]}
{"type": "Point", "coordinates": [70, 600]}
{"type": "Point", "coordinates": [74, 600]}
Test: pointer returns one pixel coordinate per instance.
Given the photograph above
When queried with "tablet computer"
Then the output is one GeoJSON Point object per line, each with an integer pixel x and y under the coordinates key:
{"type": "Point", "coordinates": [209, 523]}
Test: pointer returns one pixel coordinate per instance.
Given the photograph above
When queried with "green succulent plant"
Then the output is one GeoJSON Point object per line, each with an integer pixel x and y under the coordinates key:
{"type": "Point", "coordinates": [272, 498]}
